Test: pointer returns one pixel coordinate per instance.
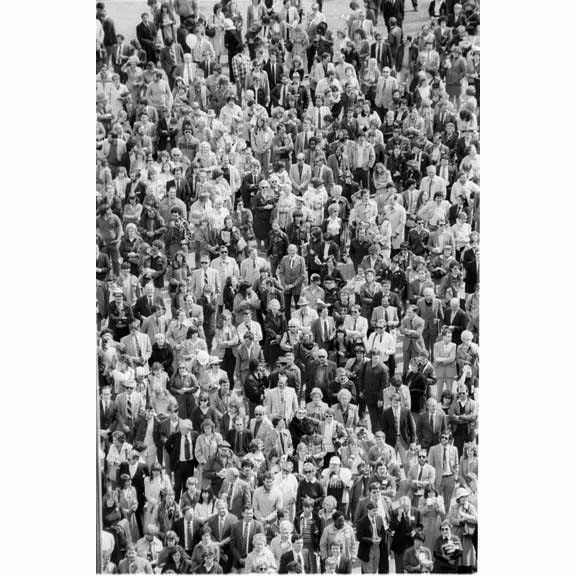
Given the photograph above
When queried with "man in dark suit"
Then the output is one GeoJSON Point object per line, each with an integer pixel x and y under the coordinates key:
{"type": "Point", "coordinates": [180, 447]}
{"type": "Point", "coordinates": [380, 49]}
{"type": "Point", "coordinates": [399, 428]}
{"type": "Point", "coordinates": [242, 536]}
{"type": "Point", "coordinates": [431, 424]}
{"type": "Point", "coordinates": [146, 35]}
{"type": "Point", "coordinates": [457, 319]}
{"type": "Point", "coordinates": [172, 60]}
{"type": "Point", "coordinates": [143, 306]}
{"type": "Point", "coordinates": [442, 117]}
{"type": "Point", "coordinates": [221, 525]}
{"type": "Point", "coordinates": [274, 70]}
{"type": "Point", "coordinates": [469, 259]}
{"type": "Point", "coordinates": [372, 379]}
{"type": "Point", "coordinates": [298, 560]}
{"type": "Point", "coordinates": [108, 413]}
{"type": "Point", "coordinates": [188, 529]}
{"type": "Point", "coordinates": [239, 438]}
{"type": "Point", "coordinates": [371, 535]}
{"type": "Point", "coordinates": [292, 273]}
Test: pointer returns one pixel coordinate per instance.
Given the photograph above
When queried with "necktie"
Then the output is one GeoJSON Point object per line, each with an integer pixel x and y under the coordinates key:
{"type": "Point", "coordinates": [187, 450]}
{"type": "Point", "coordinates": [355, 323]}
{"type": "Point", "coordinates": [149, 303]}
{"type": "Point", "coordinates": [300, 168]}
{"type": "Point", "coordinates": [189, 535]}
{"type": "Point", "coordinates": [420, 473]}
{"type": "Point", "coordinates": [245, 539]}
{"type": "Point", "coordinates": [220, 527]}
{"type": "Point", "coordinates": [229, 494]}
{"type": "Point", "coordinates": [106, 406]}
{"type": "Point", "coordinates": [445, 460]}
{"type": "Point", "coordinates": [237, 443]}
{"type": "Point", "coordinates": [129, 408]}
{"type": "Point", "coordinates": [137, 346]}
{"type": "Point", "coordinates": [432, 422]}
{"type": "Point", "coordinates": [282, 447]}
{"type": "Point", "coordinates": [205, 278]}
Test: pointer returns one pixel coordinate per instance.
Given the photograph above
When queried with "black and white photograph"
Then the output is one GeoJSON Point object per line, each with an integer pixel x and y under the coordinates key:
{"type": "Point", "coordinates": [288, 286]}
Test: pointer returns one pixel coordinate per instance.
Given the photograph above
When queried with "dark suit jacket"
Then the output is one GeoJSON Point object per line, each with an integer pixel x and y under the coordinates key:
{"type": "Point", "coordinates": [173, 447]}
{"type": "Point", "coordinates": [403, 528]}
{"type": "Point", "coordinates": [309, 562]}
{"type": "Point", "coordinates": [256, 527]}
{"type": "Point", "coordinates": [310, 376]}
{"type": "Point", "coordinates": [385, 54]}
{"type": "Point", "coordinates": [109, 418]}
{"type": "Point", "coordinates": [143, 309]}
{"type": "Point", "coordinates": [196, 533]}
{"type": "Point", "coordinates": [364, 535]}
{"type": "Point", "coordinates": [229, 522]}
{"type": "Point", "coordinates": [441, 119]}
{"type": "Point", "coordinates": [243, 441]}
{"type": "Point", "coordinates": [407, 427]}
{"type": "Point", "coordinates": [147, 38]}
{"type": "Point", "coordinates": [424, 432]}
{"type": "Point", "coordinates": [274, 79]}
{"type": "Point", "coordinates": [460, 322]}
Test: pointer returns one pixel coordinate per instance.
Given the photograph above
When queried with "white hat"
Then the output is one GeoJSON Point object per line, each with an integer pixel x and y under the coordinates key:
{"type": "Point", "coordinates": [460, 493]}
{"type": "Point", "coordinates": [203, 357]}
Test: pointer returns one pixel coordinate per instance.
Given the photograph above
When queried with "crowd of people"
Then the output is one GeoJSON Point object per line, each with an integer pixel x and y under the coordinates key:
{"type": "Point", "coordinates": [287, 288]}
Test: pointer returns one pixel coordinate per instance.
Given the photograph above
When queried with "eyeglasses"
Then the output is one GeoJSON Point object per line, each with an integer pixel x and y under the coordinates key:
{"type": "Point", "coordinates": [258, 413]}
{"type": "Point", "coordinates": [308, 471]}
{"type": "Point", "coordinates": [203, 399]}
{"type": "Point", "coordinates": [204, 263]}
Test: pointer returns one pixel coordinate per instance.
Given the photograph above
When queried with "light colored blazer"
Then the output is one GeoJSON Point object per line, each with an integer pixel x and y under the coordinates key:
{"type": "Point", "coordinates": [445, 370]}
{"type": "Point", "coordinates": [130, 349]}
{"type": "Point", "coordinates": [275, 407]}
{"type": "Point", "coordinates": [435, 460]}
{"type": "Point", "coordinates": [197, 281]}
{"type": "Point", "coordinates": [428, 478]}
{"type": "Point", "coordinates": [300, 183]}
{"type": "Point", "coordinates": [264, 430]}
